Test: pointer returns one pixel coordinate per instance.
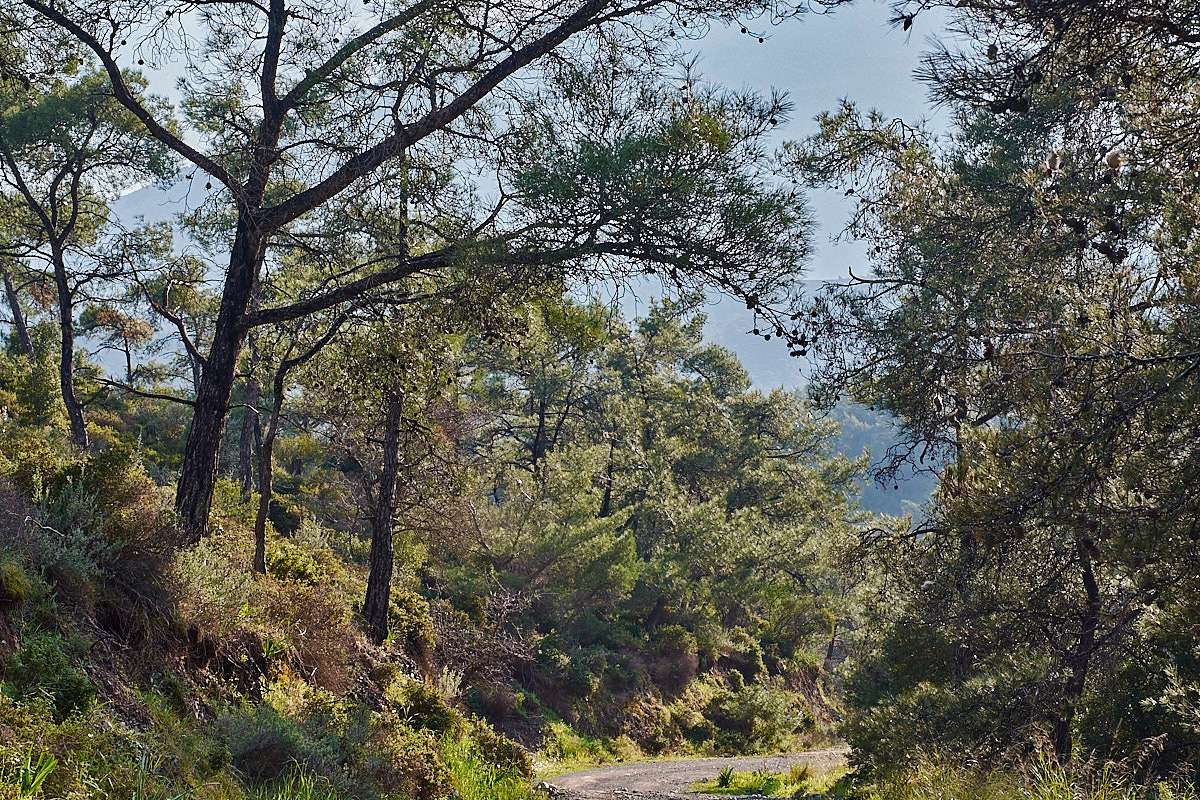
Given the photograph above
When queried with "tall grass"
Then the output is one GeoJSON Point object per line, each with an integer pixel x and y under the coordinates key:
{"type": "Point", "coordinates": [476, 779]}
{"type": "Point", "coordinates": [296, 786]}
{"type": "Point", "coordinates": [566, 749]}
{"type": "Point", "coordinates": [1042, 779]}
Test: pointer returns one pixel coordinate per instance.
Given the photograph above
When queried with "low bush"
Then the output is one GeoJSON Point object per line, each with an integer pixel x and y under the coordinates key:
{"type": "Point", "coordinates": [934, 777]}
{"type": "Point", "coordinates": [42, 667]}
{"type": "Point", "coordinates": [15, 586]}
{"type": "Point", "coordinates": [405, 764]}
{"type": "Point", "coordinates": [754, 717]}
{"type": "Point", "coordinates": [420, 706]}
{"type": "Point", "coordinates": [476, 775]}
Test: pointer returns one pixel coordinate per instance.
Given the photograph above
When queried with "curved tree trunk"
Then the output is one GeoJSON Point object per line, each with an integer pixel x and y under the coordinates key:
{"type": "Point", "coordinates": [18, 315]}
{"type": "Point", "coordinates": [379, 580]}
{"type": "Point", "coordinates": [66, 359]}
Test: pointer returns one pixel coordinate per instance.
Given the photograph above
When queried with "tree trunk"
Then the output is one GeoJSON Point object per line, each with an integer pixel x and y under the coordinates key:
{"type": "Point", "coordinates": [248, 436]}
{"type": "Point", "coordinates": [198, 475]}
{"type": "Point", "coordinates": [537, 446]}
{"type": "Point", "coordinates": [266, 475]}
{"type": "Point", "coordinates": [379, 579]}
{"type": "Point", "coordinates": [128, 362]}
{"type": "Point", "coordinates": [66, 358]}
{"type": "Point", "coordinates": [831, 648]}
{"type": "Point", "coordinates": [606, 501]}
{"type": "Point", "coordinates": [18, 316]}
{"type": "Point", "coordinates": [1080, 658]}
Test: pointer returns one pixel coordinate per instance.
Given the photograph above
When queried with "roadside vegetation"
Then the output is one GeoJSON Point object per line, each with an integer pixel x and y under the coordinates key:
{"type": "Point", "coordinates": [343, 483]}
{"type": "Point", "coordinates": [542, 624]}
{"type": "Point", "coordinates": [801, 780]}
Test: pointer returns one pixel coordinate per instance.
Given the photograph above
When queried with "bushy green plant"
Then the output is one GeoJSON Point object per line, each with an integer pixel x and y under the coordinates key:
{"type": "Point", "coordinates": [315, 566]}
{"type": "Point", "coordinates": [678, 657]}
{"type": "Point", "coordinates": [973, 718]}
{"type": "Point", "coordinates": [296, 785]}
{"type": "Point", "coordinates": [263, 742]}
{"type": "Point", "coordinates": [406, 764]}
{"type": "Point", "coordinates": [28, 776]}
{"type": "Point", "coordinates": [477, 776]}
{"type": "Point", "coordinates": [421, 707]}
{"type": "Point", "coordinates": [946, 777]}
{"type": "Point", "coordinates": [567, 748]}
{"type": "Point", "coordinates": [15, 586]}
{"type": "Point", "coordinates": [497, 749]}
{"type": "Point", "coordinates": [411, 625]}
{"type": "Point", "coordinates": [41, 667]}
{"type": "Point", "coordinates": [754, 717]}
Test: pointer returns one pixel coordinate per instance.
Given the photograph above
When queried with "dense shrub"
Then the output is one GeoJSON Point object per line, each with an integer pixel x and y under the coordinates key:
{"type": "Point", "coordinates": [411, 625]}
{"type": "Point", "coordinates": [405, 764]}
{"type": "Point", "coordinates": [15, 586]}
{"type": "Point", "coordinates": [754, 717]}
{"type": "Point", "coordinates": [677, 657]}
{"type": "Point", "coordinates": [974, 719]}
{"type": "Point", "coordinates": [420, 706]}
{"type": "Point", "coordinates": [497, 749]}
{"type": "Point", "coordinates": [744, 654]}
{"type": "Point", "coordinates": [42, 667]}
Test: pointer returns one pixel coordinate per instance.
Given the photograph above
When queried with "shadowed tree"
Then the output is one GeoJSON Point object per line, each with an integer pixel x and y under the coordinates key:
{"type": "Point", "coordinates": [1030, 318]}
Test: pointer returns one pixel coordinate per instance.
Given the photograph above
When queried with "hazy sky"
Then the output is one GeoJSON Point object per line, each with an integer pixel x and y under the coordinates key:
{"type": "Point", "coordinates": [819, 59]}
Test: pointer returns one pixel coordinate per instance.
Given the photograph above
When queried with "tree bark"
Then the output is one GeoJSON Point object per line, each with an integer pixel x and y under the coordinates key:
{"type": "Point", "coordinates": [606, 501]}
{"type": "Point", "coordinates": [197, 478]}
{"type": "Point", "coordinates": [66, 358]}
{"type": "Point", "coordinates": [379, 579]}
{"type": "Point", "coordinates": [266, 475]}
{"type": "Point", "coordinates": [247, 437]}
{"type": "Point", "coordinates": [1079, 661]}
{"type": "Point", "coordinates": [18, 315]}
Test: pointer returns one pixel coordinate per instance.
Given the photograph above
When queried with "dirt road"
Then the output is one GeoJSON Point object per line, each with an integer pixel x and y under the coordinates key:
{"type": "Point", "coordinates": [659, 780]}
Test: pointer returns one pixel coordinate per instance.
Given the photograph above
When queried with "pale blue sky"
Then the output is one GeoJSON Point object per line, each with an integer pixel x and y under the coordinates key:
{"type": "Point", "coordinates": [819, 59]}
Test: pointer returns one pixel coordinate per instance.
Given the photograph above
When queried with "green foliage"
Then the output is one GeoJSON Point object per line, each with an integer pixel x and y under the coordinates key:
{"type": "Point", "coordinates": [569, 749]}
{"type": "Point", "coordinates": [754, 717]}
{"type": "Point", "coordinates": [411, 624]}
{"type": "Point", "coordinates": [31, 774]}
{"type": "Point", "coordinates": [43, 667]}
{"type": "Point", "coordinates": [421, 707]}
{"type": "Point", "coordinates": [297, 785]}
{"type": "Point", "coordinates": [802, 781]}
{"type": "Point", "coordinates": [315, 566]}
{"type": "Point", "coordinates": [1042, 778]}
{"type": "Point", "coordinates": [15, 586]}
{"type": "Point", "coordinates": [487, 766]}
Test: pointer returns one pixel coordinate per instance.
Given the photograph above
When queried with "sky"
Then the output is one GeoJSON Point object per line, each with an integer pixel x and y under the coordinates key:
{"type": "Point", "coordinates": [818, 59]}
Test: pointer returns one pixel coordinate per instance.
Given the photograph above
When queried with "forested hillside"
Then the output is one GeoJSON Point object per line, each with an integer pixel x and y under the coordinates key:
{"type": "Point", "coordinates": [606, 544]}
{"type": "Point", "coordinates": [337, 481]}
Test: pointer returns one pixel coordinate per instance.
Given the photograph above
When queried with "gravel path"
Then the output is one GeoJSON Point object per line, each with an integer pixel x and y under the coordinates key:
{"type": "Point", "coordinates": [662, 780]}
